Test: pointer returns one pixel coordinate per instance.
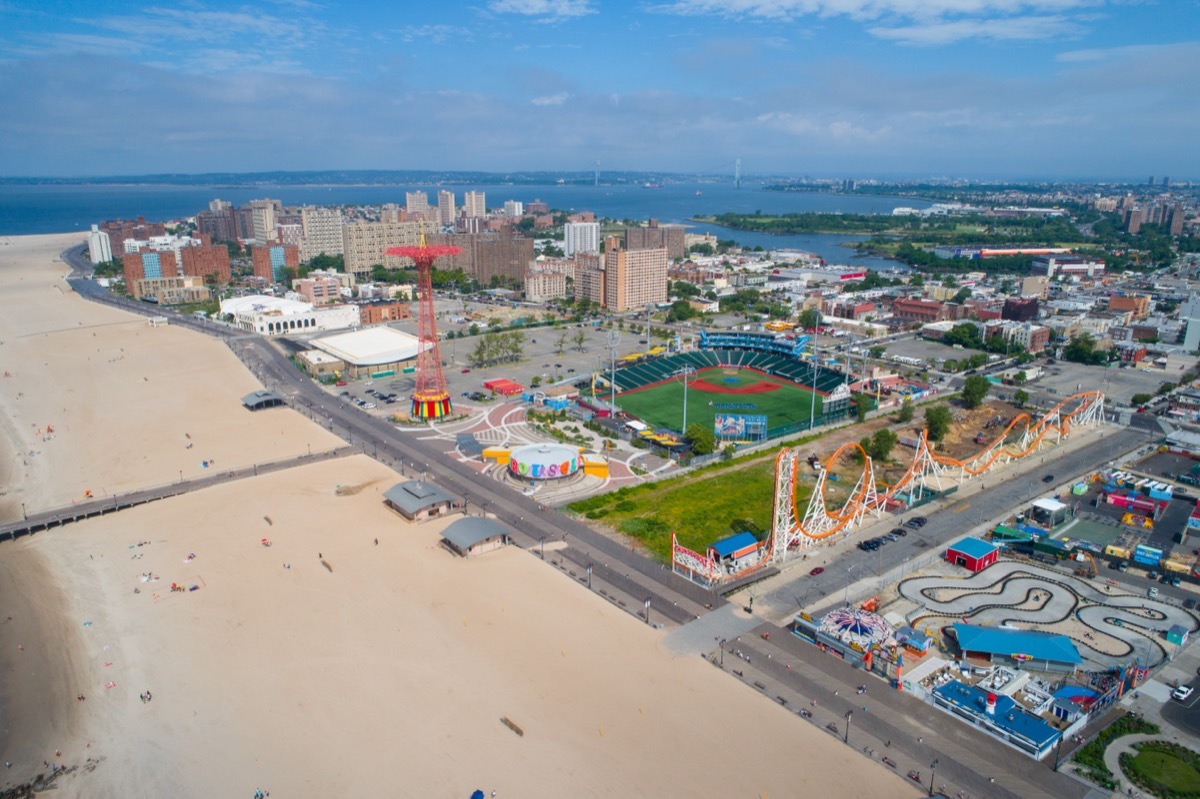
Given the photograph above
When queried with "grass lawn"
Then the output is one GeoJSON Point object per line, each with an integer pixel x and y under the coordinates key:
{"type": "Point", "coordinates": [662, 406]}
{"type": "Point", "coordinates": [1156, 765]}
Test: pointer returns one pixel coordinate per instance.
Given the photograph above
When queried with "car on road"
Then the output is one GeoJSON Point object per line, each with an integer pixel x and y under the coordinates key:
{"type": "Point", "coordinates": [900, 531]}
{"type": "Point", "coordinates": [816, 571]}
{"type": "Point", "coordinates": [466, 371]}
{"type": "Point", "coordinates": [1176, 582]}
{"type": "Point", "coordinates": [1048, 478]}
{"type": "Point", "coordinates": [1189, 604]}
{"type": "Point", "coordinates": [1181, 693]}
{"type": "Point", "coordinates": [341, 382]}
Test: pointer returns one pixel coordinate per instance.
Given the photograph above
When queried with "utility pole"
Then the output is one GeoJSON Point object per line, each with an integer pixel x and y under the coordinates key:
{"type": "Point", "coordinates": [613, 338]}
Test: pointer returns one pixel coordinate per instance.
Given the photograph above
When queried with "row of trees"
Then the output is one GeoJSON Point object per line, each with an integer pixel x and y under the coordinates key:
{"type": "Point", "coordinates": [498, 347]}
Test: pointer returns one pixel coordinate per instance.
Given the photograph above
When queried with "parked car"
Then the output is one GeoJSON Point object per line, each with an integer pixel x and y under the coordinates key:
{"type": "Point", "coordinates": [1176, 582]}
{"type": "Point", "coordinates": [816, 571]}
{"type": "Point", "coordinates": [1181, 693]}
{"type": "Point", "coordinates": [1189, 604]}
{"type": "Point", "coordinates": [1048, 478]}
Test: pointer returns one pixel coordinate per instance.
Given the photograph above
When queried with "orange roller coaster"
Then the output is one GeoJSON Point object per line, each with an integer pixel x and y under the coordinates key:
{"type": "Point", "coordinates": [792, 528]}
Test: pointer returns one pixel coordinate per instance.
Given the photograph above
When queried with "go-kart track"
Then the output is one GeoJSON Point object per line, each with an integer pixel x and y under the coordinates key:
{"type": "Point", "coordinates": [1109, 627]}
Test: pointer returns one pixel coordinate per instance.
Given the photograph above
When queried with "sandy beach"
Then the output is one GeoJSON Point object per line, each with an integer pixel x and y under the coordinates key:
{"type": "Point", "coordinates": [388, 672]}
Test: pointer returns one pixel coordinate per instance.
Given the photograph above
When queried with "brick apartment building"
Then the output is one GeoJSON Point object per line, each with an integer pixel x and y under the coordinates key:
{"type": "Point", "coordinates": [924, 311]}
{"type": "Point", "coordinates": [318, 290]}
{"type": "Point", "coordinates": [654, 236]}
{"type": "Point", "coordinates": [1020, 309]}
{"type": "Point", "coordinates": [375, 312]}
{"type": "Point", "coordinates": [1138, 306]}
{"type": "Point", "coordinates": [205, 261]}
{"type": "Point", "coordinates": [120, 229]}
{"type": "Point", "coordinates": [634, 279]}
{"type": "Point", "coordinates": [271, 262]}
{"type": "Point", "coordinates": [149, 264]}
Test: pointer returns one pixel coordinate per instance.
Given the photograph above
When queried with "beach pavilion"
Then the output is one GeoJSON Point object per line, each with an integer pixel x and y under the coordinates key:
{"type": "Point", "coordinates": [417, 500]}
{"type": "Point", "coordinates": [474, 535]}
{"type": "Point", "coordinates": [257, 400]}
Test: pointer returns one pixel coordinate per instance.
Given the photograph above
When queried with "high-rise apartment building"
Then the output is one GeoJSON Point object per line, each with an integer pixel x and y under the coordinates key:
{"type": "Point", "coordinates": [486, 256]}
{"type": "Point", "coordinates": [654, 235]}
{"type": "Point", "coordinates": [513, 208]}
{"type": "Point", "coordinates": [634, 279]}
{"type": "Point", "coordinates": [589, 277]}
{"type": "Point", "coordinates": [149, 264]}
{"type": "Point", "coordinates": [264, 216]}
{"type": "Point", "coordinates": [581, 237]}
{"type": "Point", "coordinates": [270, 262]}
{"type": "Point", "coordinates": [475, 204]}
{"type": "Point", "coordinates": [364, 244]}
{"type": "Point", "coordinates": [416, 202]}
{"type": "Point", "coordinates": [100, 246]}
{"type": "Point", "coordinates": [1175, 225]}
{"type": "Point", "coordinates": [322, 229]}
{"type": "Point", "coordinates": [119, 230]}
{"type": "Point", "coordinates": [446, 210]}
{"type": "Point", "coordinates": [204, 261]}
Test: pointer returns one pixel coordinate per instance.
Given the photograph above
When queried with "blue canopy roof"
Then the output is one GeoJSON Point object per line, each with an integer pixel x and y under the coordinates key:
{"type": "Point", "coordinates": [973, 547]}
{"type": "Point", "coordinates": [1001, 641]}
{"type": "Point", "coordinates": [727, 546]}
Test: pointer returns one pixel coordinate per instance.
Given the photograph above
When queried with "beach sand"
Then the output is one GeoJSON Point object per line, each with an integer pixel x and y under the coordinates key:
{"type": "Point", "coordinates": [387, 673]}
{"type": "Point", "coordinates": [94, 399]}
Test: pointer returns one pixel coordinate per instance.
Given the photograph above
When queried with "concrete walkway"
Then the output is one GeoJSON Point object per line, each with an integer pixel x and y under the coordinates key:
{"type": "Point", "coordinates": [1112, 755]}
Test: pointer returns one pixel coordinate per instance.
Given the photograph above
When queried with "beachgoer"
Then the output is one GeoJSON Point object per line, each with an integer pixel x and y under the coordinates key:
{"type": "Point", "coordinates": [376, 542]}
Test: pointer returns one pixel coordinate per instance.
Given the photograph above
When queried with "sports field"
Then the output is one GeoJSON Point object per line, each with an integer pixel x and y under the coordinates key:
{"type": "Point", "coordinates": [754, 393]}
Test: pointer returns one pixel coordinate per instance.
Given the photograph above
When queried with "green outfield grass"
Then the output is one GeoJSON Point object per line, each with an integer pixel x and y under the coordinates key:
{"type": "Point", "coordinates": [662, 406]}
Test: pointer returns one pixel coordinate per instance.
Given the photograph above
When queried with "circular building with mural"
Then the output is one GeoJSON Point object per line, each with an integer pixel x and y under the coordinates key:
{"type": "Point", "coordinates": [856, 626]}
{"type": "Point", "coordinates": [543, 461]}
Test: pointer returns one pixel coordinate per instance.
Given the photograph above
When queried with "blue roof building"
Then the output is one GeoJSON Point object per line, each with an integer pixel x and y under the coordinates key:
{"type": "Point", "coordinates": [1026, 649]}
{"type": "Point", "coordinates": [1009, 720]}
{"type": "Point", "coordinates": [736, 546]}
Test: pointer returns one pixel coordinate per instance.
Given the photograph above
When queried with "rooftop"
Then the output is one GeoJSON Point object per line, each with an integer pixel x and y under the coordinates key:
{"type": "Point", "coordinates": [1010, 643]}
{"type": "Point", "coordinates": [1009, 717]}
{"type": "Point", "coordinates": [370, 346]}
{"type": "Point", "coordinates": [415, 495]}
{"type": "Point", "coordinates": [727, 546]}
{"type": "Point", "coordinates": [470, 530]}
{"type": "Point", "coordinates": [973, 547]}
{"type": "Point", "coordinates": [263, 304]}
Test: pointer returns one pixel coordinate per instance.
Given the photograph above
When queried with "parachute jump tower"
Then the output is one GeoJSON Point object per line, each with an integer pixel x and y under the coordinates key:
{"type": "Point", "coordinates": [431, 399]}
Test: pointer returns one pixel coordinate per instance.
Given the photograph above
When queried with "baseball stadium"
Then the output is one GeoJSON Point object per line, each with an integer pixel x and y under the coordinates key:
{"type": "Point", "coordinates": [745, 386]}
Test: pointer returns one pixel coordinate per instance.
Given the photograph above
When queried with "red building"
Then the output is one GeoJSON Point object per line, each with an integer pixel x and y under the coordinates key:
{"type": "Point", "coordinates": [139, 265]}
{"type": "Point", "coordinates": [205, 261]}
{"type": "Point", "coordinates": [973, 553]}
{"type": "Point", "coordinates": [271, 262]}
{"type": "Point", "coordinates": [923, 311]}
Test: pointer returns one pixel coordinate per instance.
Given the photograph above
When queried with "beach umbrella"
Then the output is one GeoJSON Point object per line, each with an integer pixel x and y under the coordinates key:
{"type": "Point", "coordinates": [477, 795]}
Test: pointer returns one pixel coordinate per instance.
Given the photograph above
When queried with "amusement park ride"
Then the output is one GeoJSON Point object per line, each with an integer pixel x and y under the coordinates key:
{"type": "Point", "coordinates": [431, 399]}
{"type": "Point", "coordinates": [795, 528]}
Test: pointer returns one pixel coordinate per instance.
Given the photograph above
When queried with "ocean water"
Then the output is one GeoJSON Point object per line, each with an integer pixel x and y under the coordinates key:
{"type": "Point", "coordinates": [28, 210]}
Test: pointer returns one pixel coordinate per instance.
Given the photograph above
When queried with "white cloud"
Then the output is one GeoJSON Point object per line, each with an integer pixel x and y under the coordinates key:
{"type": "Point", "coordinates": [551, 99]}
{"type": "Point", "coordinates": [1150, 51]}
{"type": "Point", "coordinates": [911, 21]}
{"type": "Point", "coordinates": [438, 34]}
{"type": "Point", "coordinates": [549, 10]}
{"type": "Point", "coordinates": [1000, 30]}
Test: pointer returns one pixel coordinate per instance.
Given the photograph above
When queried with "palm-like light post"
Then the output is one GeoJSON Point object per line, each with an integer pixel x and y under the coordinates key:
{"type": "Point", "coordinates": [846, 737]}
{"type": "Point", "coordinates": [932, 775]}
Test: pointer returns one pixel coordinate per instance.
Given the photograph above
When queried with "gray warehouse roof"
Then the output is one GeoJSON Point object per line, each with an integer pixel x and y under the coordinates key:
{"type": "Point", "coordinates": [469, 531]}
{"type": "Point", "coordinates": [262, 399]}
{"type": "Point", "coordinates": [415, 495]}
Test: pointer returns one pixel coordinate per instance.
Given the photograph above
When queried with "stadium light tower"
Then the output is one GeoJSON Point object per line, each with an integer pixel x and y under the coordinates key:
{"type": "Point", "coordinates": [684, 372]}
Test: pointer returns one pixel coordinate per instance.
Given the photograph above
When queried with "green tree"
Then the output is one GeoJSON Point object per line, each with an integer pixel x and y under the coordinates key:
{"type": "Point", "coordinates": [684, 289]}
{"type": "Point", "coordinates": [906, 412]}
{"type": "Point", "coordinates": [882, 444]}
{"type": "Point", "coordinates": [974, 389]}
{"type": "Point", "coordinates": [473, 329]}
{"type": "Point", "coordinates": [810, 318]}
{"type": "Point", "coordinates": [962, 296]}
{"type": "Point", "coordinates": [701, 438]}
{"type": "Point", "coordinates": [1082, 349]}
{"type": "Point", "coordinates": [1021, 378]}
{"type": "Point", "coordinates": [877, 351]}
{"type": "Point", "coordinates": [561, 343]}
{"type": "Point", "coordinates": [1141, 399]}
{"type": "Point", "coordinates": [1020, 397]}
{"type": "Point", "coordinates": [681, 311]}
{"type": "Point", "coordinates": [937, 422]}
{"type": "Point", "coordinates": [917, 280]}
{"type": "Point", "coordinates": [863, 404]}
{"type": "Point", "coordinates": [580, 338]}
{"type": "Point", "coordinates": [1165, 388]}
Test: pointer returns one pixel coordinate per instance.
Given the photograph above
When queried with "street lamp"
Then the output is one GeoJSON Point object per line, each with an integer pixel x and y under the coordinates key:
{"type": "Point", "coordinates": [648, 610]}
{"type": "Point", "coordinates": [684, 372]}
{"type": "Point", "coordinates": [1058, 752]}
{"type": "Point", "coordinates": [589, 574]}
{"type": "Point", "coordinates": [932, 775]}
{"type": "Point", "coordinates": [542, 543]}
{"type": "Point", "coordinates": [846, 599]}
{"type": "Point", "coordinates": [846, 737]}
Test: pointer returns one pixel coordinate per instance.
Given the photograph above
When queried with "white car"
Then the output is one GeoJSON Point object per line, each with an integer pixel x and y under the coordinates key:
{"type": "Point", "coordinates": [1181, 693]}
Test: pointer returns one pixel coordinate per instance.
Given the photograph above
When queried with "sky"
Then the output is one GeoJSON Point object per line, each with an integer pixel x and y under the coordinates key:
{"type": "Point", "coordinates": [1009, 89]}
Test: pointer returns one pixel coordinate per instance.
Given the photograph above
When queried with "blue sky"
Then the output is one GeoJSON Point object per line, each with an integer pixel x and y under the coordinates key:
{"type": "Point", "coordinates": [844, 88]}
